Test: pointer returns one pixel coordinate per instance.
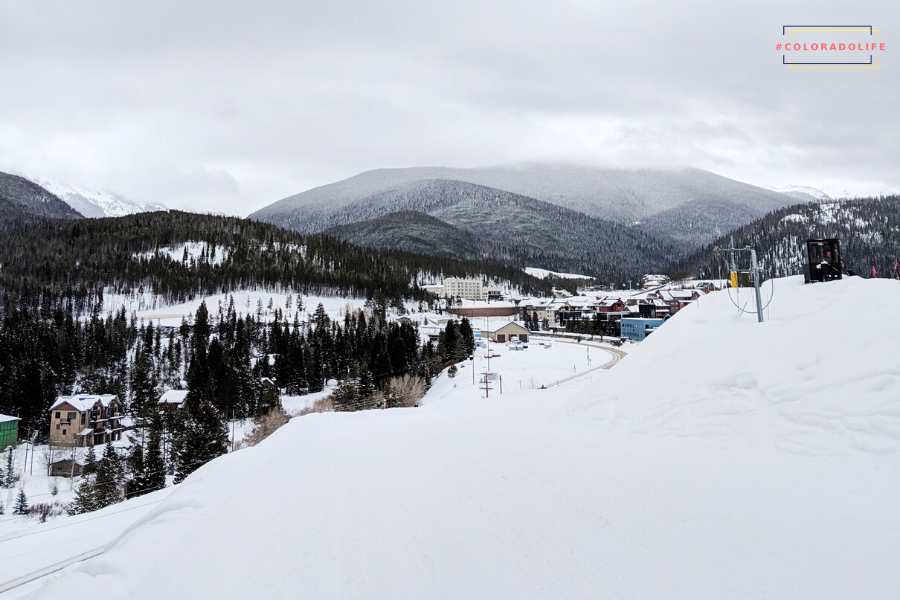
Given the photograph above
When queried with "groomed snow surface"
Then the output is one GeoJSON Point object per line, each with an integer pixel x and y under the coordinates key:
{"type": "Point", "coordinates": [720, 459]}
{"type": "Point", "coordinates": [544, 274]}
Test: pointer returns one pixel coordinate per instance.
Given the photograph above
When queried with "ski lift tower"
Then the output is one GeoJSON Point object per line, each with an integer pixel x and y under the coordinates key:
{"type": "Point", "coordinates": [753, 272]}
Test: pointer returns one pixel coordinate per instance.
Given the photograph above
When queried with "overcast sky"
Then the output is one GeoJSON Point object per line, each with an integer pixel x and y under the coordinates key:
{"type": "Point", "coordinates": [225, 106]}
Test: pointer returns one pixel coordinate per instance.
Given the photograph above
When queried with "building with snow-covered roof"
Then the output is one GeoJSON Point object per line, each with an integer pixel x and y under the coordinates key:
{"type": "Point", "coordinates": [541, 309]}
{"type": "Point", "coordinates": [172, 399]}
{"type": "Point", "coordinates": [505, 331]}
{"type": "Point", "coordinates": [85, 420]}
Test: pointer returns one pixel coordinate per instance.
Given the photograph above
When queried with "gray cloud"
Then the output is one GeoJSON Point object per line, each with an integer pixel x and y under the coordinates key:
{"type": "Point", "coordinates": [225, 106]}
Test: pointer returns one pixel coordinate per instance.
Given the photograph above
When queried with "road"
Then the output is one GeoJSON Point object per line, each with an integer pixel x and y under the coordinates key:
{"type": "Point", "coordinates": [617, 355]}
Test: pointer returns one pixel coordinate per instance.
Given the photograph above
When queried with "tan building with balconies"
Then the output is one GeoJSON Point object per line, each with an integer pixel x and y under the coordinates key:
{"type": "Point", "coordinates": [85, 420]}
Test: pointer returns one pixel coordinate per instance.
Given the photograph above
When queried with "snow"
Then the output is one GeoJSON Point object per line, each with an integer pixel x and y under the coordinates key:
{"type": "Point", "coordinates": [84, 402]}
{"type": "Point", "coordinates": [194, 251]}
{"type": "Point", "coordinates": [722, 458]}
{"type": "Point", "coordinates": [293, 405]}
{"type": "Point", "coordinates": [45, 547]}
{"type": "Point", "coordinates": [5, 418]}
{"type": "Point", "coordinates": [146, 307]}
{"type": "Point", "coordinates": [173, 397]}
{"type": "Point", "coordinates": [795, 218]}
{"type": "Point", "coordinates": [544, 274]}
{"type": "Point", "coordinates": [94, 203]}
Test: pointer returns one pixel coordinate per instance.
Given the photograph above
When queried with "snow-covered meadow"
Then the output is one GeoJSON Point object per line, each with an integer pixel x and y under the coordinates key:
{"type": "Point", "coordinates": [721, 458]}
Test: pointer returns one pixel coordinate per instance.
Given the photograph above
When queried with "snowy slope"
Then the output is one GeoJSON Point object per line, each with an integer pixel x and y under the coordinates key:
{"type": "Point", "coordinates": [544, 273]}
{"type": "Point", "coordinates": [721, 459]}
{"type": "Point", "coordinates": [802, 192]}
{"type": "Point", "coordinates": [95, 203]}
{"type": "Point", "coordinates": [830, 191]}
{"type": "Point", "coordinates": [798, 383]}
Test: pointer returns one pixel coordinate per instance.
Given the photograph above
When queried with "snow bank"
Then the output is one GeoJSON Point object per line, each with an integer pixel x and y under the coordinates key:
{"type": "Point", "coordinates": [819, 376]}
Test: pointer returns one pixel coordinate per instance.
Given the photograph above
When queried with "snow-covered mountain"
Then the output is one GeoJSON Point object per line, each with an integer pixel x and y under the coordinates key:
{"type": "Point", "coordinates": [95, 203]}
{"type": "Point", "coordinates": [803, 192]}
{"type": "Point", "coordinates": [829, 191]}
{"type": "Point", "coordinates": [690, 206]}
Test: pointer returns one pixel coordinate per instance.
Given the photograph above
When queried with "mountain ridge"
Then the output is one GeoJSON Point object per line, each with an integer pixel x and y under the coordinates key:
{"type": "Point", "coordinates": [94, 203]}
{"type": "Point", "coordinates": [22, 197]}
{"type": "Point", "coordinates": [621, 195]}
{"type": "Point", "coordinates": [507, 226]}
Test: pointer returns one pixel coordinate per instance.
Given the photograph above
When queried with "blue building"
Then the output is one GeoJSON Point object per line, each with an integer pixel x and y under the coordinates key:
{"type": "Point", "coordinates": [638, 329]}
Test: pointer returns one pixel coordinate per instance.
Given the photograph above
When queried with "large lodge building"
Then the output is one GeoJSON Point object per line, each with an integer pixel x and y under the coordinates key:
{"type": "Point", "coordinates": [85, 420]}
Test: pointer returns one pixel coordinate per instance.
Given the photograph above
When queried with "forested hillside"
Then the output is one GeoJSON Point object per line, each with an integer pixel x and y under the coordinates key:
{"type": "Point", "coordinates": [20, 197]}
{"type": "Point", "coordinates": [508, 226]}
{"type": "Point", "coordinates": [54, 339]}
{"type": "Point", "coordinates": [665, 201]}
{"type": "Point", "coordinates": [412, 231]}
{"type": "Point", "coordinates": [868, 228]}
{"type": "Point", "coordinates": [78, 260]}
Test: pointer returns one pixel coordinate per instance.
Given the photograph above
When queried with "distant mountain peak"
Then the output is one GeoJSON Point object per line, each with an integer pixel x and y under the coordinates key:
{"type": "Point", "coordinates": [94, 203]}
{"type": "Point", "coordinates": [829, 191]}
{"type": "Point", "coordinates": [802, 192]}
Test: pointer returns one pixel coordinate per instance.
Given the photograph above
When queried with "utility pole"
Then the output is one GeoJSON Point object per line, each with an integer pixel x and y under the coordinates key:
{"type": "Point", "coordinates": [25, 464]}
{"type": "Point", "coordinates": [755, 267]}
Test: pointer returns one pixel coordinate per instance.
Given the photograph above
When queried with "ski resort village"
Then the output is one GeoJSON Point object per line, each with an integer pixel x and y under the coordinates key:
{"type": "Point", "coordinates": [463, 301]}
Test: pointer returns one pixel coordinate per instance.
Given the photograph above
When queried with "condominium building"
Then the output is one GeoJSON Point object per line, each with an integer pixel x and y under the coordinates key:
{"type": "Point", "coordinates": [470, 289]}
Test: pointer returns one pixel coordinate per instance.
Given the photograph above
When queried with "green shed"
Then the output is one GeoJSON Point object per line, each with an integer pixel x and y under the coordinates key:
{"type": "Point", "coordinates": [9, 431]}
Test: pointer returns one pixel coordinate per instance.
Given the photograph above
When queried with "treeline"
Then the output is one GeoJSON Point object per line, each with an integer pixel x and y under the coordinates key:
{"type": "Point", "coordinates": [45, 261]}
{"type": "Point", "coordinates": [231, 365]}
{"type": "Point", "coordinates": [868, 228]}
{"type": "Point", "coordinates": [55, 337]}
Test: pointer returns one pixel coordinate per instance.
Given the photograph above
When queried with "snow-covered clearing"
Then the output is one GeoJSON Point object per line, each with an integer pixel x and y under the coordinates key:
{"type": "Point", "coordinates": [544, 273]}
{"type": "Point", "coordinates": [721, 459]}
{"type": "Point", "coordinates": [245, 302]}
{"type": "Point", "coordinates": [216, 255]}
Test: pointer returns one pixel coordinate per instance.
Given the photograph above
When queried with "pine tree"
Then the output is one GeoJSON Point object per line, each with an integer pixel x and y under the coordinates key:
{"type": "Point", "coordinates": [154, 465]}
{"type": "Point", "coordinates": [346, 397]}
{"type": "Point", "coordinates": [143, 383]}
{"type": "Point", "coordinates": [468, 336]}
{"type": "Point", "coordinates": [10, 478]}
{"type": "Point", "coordinates": [21, 507]}
{"type": "Point", "coordinates": [366, 390]}
{"type": "Point", "coordinates": [201, 438]}
{"type": "Point", "coordinates": [90, 463]}
{"type": "Point", "coordinates": [85, 497]}
{"type": "Point", "coordinates": [109, 478]}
